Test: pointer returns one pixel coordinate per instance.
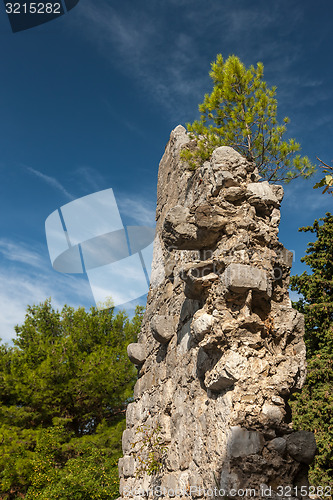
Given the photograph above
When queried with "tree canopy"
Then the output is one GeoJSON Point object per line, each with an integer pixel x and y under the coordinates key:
{"type": "Point", "coordinates": [63, 392]}
{"type": "Point", "coordinates": [241, 112]}
{"type": "Point", "coordinates": [313, 406]}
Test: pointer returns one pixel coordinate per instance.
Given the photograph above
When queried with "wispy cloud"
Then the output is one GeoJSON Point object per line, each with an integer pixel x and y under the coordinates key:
{"type": "Point", "coordinates": [26, 277]}
{"type": "Point", "coordinates": [170, 60]}
{"type": "Point", "coordinates": [89, 179]}
{"type": "Point", "coordinates": [151, 52]}
{"type": "Point", "coordinates": [20, 253]}
{"type": "Point", "coordinates": [136, 210]}
{"type": "Point", "coordinates": [51, 181]}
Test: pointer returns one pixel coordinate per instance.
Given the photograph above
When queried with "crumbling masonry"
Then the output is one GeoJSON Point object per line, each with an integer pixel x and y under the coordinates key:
{"type": "Point", "coordinates": [220, 349]}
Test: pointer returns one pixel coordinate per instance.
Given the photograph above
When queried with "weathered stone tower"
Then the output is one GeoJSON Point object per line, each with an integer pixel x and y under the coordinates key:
{"type": "Point", "coordinates": [221, 348]}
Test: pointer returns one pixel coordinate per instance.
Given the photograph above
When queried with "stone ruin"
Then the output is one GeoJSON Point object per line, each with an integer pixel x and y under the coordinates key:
{"type": "Point", "coordinates": [221, 348]}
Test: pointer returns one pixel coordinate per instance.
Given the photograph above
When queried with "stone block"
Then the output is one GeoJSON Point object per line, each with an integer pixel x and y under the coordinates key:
{"type": "Point", "coordinates": [201, 325]}
{"type": "Point", "coordinates": [210, 218]}
{"type": "Point", "coordinates": [120, 467]}
{"type": "Point", "coordinates": [285, 257]}
{"type": "Point", "coordinates": [243, 442]}
{"type": "Point", "coordinates": [225, 155]}
{"type": "Point", "coordinates": [131, 416]}
{"type": "Point", "coordinates": [275, 217]}
{"type": "Point", "coordinates": [188, 309]}
{"type": "Point", "coordinates": [302, 446]}
{"type": "Point", "coordinates": [172, 460]}
{"type": "Point", "coordinates": [163, 328]}
{"type": "Point", "coordinates": [177, 215]}
{"type": "Point", "coordinates": [217, 382]}
{"type": "Point", "coordinates": [127, 439]}
{"type": "Point", "coordinates": [170, 483]}
{"type": "Point", "coordinates": [195, 286]}
{"type": "Point", "coordinates": [184, 339]}
{"type": "Point", "coordinates": [136, 353]}
{"type": "Point", "coordinates": [226, 372]}
{"type": "Point", "coordinates": [263, 192]}
{"type": "Point", "coordinates": [241, 277]}
{"type": "Point", "coordinates": [143, 384]}
{"type": "Point", "coordinates": [168, 391]}
{"type": "Point", "coordinates": [234, 194]}
{"type": "Point", "coordinates": [165, 423]}
{"type": "Point", "coordinates": [273, 414]}
{"type": "Point", "coordinates": [278, 191]}
{"type": "Point", "coordinates": [223, 178]}
{"type": "Point", "coordinates": [196, 486]}
{"type": "Point", "coordinates": [128, 466]}
{"type": "Point", "coordinates": [278, 444]}
{"type": "Point", "coordinates": [178, 229]}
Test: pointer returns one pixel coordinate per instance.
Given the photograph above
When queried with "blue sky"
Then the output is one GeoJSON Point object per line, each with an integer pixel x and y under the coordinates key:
{"type": "Point", "coordinates": [88, 101]}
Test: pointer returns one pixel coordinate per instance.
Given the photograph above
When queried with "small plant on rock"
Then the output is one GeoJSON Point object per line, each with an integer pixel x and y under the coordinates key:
{"type": "Point", "coordinates": [152, 450]}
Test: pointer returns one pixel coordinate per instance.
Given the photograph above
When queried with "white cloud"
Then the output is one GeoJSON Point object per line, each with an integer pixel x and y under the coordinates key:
{"type": "Point", "coordinates": [89, 179]}
{"type": "Point", "coordinates": [172, 64]}
{"type": "Point", "coordinates": [143, 46]}
{"type": "Point", "coordinates": [51, 181]}
{"type": "Point", "coordinates": [136, 210]}
{"type": "Point", "coordinates": [26, 277]}
{"type": "Point", "coordinates": [19, 253]}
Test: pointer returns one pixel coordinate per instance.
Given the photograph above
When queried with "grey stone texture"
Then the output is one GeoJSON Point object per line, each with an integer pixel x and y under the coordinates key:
{"type": "Point", "coordinates": [136, 353]}
{"type": "Point", "coordinates": [302, 446]}
{"type": "Point", "coordinates": [220, 348]}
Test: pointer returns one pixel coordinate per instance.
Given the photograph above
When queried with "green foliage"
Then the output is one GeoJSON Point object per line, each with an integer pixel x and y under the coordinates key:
{"type": "Point", "coordinates": [327, 181]}
{"type": "Point", "coordinates": [151, 452]}
{"type": "Point", "coordinates": [313, 407]}
{"type": "Point", "coordinates": [63, 392]}
{"type": "Point", "coordinates": [81, 469]}
{"type": "Point", "coordinates": [241, 113]}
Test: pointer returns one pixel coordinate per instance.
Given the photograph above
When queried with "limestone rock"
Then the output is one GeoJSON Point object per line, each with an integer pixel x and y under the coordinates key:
{"type": "Point", "coordinates": [209, 218]}
{"type": "Point", "coordinates": [243, 442]}
{"type": "Point", "coordinates": [201, 324]}
{"type": "Point", "coordinates": [128, 466]}
{"type": "Point", "coordinates": [262, 191]}
{"type": "Point", "coordinates": [273, 414]}
{"type": "Point", "coordinates": [302, 446]}
{"type": "Point", "coordinates": [224, 155]}
{"type": "Point", "coordinates": [136, 353]}
{"type": "Point", "coordinates": [220, 348]}
{"type": "Point", "coordinates": [240, 278]}
{"type": "Point", "coordinates": [278, 444]}
{"type": "Point", "coordinates": [223, 178]}
{"type": "Point", "coordinates": [226, 372]}
{"type": "Point", "coordinates": [163, 328]}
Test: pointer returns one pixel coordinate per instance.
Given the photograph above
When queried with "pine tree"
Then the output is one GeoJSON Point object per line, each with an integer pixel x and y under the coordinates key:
{"type": "Point", "coordinates": [64, 387]}
{"type": "Point", "coordinates": [241, 113]}
{"type": "Point", "coordinates": [313, 407]}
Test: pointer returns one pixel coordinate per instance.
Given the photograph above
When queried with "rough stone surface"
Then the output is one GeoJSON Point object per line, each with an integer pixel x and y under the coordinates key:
{"type": "Point", "coordinates": [163, 328]}
{"type": "Point", "coordinates": [302, 446]}
{"type": "Point", "coordinates": [136, 353]}
{"type": "Point", "coordinates": [240, 278]}
{"type": "Point", "coordinates": [243, 442]}
{"type": "Point", "coordinates": [222, 348]}
{"type": "Point", "coordinates": [278, 444]}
